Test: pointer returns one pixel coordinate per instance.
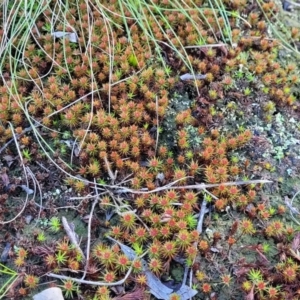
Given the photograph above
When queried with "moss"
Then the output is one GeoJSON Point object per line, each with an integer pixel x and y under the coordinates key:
{"type": "Point", "coordinates": [177, 103]}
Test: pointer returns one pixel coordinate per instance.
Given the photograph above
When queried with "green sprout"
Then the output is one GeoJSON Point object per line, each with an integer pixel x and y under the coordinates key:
{"type": "Point", "coordinates": [170, 154]}
{"type": "Point", "coordinates": [43, 222]}
{"type": "Point", "coordinates": [47, 27]}
{"type": "Point", "coordinates": [265, 90]}
{"type": "Point", "coordinates": [189, 154]}
{"type": "Point", "coordinates": [255, 276]}
{"type": "Point", "coordinates": [41, 237]}
{"type": "Point", "coordinates": [101, 181]}
{"type": "Point", "coordinates": [208, 198]}
{"type": "Point", "coordinates": [66, 135]}
{"type": "Point", "coordinates": [63, 149]}
{"type": "Point", "coordinates": [79, 256]}
{"type": "Point", "coordinates": [272, 211]}
{"type": "Point", "coordinates": [119, 74]}
{"type": "Point", "coordinates": [54, 224]}
{"type": "Point", "coordinates": [138, 249]}
{"type": "Point", "coordinates": [250, 77]}
{"type": "Point", "coordinates": [26, 154]}
{"type": "Point", "coordinates": [132, 60]}
{"type": "Point", "coordinates": [247, 91]}
{"type": "Point", "coordinates": [61, 257]}
{"type": "Point", "coordinates": [201, 41]}
{"type": "Point", "coordinates": [191, 221]}
{"type": "Point", "coordinates": [241, 128]}
{"type": "Point", "coordinates": [130, 95]}
{"type": "Point", "coordinates": [266, 248]}
{"type": "Point", "coordinates": [168, 70]}
{"type": "Point", "coordinates": [239, 74]}
{"type": "Point", "coordinates": [235, 159]}
{"type": "Point", "coordinates": [189, 262]}
{"type": "Point", "coordinates": [235, 14]}
{"type": "Point", "coordinates": [118, 48]}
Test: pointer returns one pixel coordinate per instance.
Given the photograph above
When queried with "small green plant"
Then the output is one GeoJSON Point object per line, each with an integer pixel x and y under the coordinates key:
{"type": "Point", "coordinates": [130, 95]}
{"type": "Point", "coordinates": [201, 41]}
{"type": "Point", "coordinates": [168, 70]}
{"type": "Point", "coordinates": [138, 249]}
{"type": "Point", "coordinates": [189, 154]}
{"type": "Point", "coordinates": [266, 248]}
{"type": "Point", "coordinates": [26, 154]}
{"type": "Point", "coordinates": [272, 211]}
{"type": "Point", "coordinates": [101, 181]}
{"type": "Point", "coordinates": [54, 224]}
{"type": "Point", "coordinates": [67, 135]}
{"type": "Point", "coordinates": [250, 77]}
{"type": "Point", "coordinates": [43, 222]}
{"type": "Point", "coordinates": [63, 149]}
{"type": "Point", "coordinates": [235, 159]}
{"type": "Point", "coordinates": [189, 262]}
{"type": "Point", "coordinates": [78, 257]}
{"type": "Point", "coordinates": [208, 198]}
{"type": "Point", "coordinates": [132, 60]}
{"type": "Point", "coordinates": [47, 27]}
{"type": "Point", "coordinates": [191, 221]}
{"type": "Point", "coordinates": [247, 91]}
{"type": "Point", "coordinates": [61, 257]}
{"type": "Point", "coordinates": [41, 237]}
{"type": "Point", "coordinates": [255, 276]}
{"type": "Point", "coordinates": [239, 74]}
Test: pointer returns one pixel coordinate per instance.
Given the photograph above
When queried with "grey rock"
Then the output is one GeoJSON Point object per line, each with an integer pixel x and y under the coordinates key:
{"type": "Point", "coordinates": [28, 219]}
{"type": "Point", "coordinates": [53, 293]}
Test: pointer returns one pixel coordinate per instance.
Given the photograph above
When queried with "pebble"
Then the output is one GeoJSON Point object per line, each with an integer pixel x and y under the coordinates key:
{"type": "Point", "coordinates": [28, 219]}
{"type": "Point", "coordinates": [53, 293]}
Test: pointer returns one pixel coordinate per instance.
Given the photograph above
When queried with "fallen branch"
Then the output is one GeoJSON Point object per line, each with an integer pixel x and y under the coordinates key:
{"type": "Point", "coordinates": [72, 236]}
{"type": "Point", "coordinates": [199, 186]}
{"type": "Point", "coordinates": [97, 283]}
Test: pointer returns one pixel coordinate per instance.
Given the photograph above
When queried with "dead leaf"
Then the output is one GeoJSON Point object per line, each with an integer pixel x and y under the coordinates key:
{"type": "Point", "coordinates": [233, 228]}
{"type": "Point", "coordinates": [136, 295]}
{"type": "Point", "coordinates": [157, 288]}
{"type": "Point", "coordinates": [9, 159]}
{"type": "Point", "coordinates": [263, 257]}
{"type": "Point", "coordinates": [296, 242]}
{"type": "Point", "coordinates": [185, 292]}
{"type": "Point", "coordinates": [118, 290]}
{"type": "Point", "coordinates": [294, 254]}
{"type": "Point", "coordinates": [4, 178]}
{"type": "Point", "coordinates": [202, 100]}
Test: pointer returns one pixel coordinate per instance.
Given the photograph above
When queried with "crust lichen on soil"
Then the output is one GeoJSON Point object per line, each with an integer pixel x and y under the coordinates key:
{"type": "Point", "coordinates": [150, 150]}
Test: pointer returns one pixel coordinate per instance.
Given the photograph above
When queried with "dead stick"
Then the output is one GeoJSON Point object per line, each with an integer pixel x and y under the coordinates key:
{"type": "Point", "coordinates": [72, 237]}
{"type": "Point", "coordinates": [98, 283]}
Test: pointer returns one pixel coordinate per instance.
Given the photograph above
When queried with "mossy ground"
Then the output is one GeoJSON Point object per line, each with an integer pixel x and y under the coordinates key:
{"type": "Point", "coordinates": [138, 118]}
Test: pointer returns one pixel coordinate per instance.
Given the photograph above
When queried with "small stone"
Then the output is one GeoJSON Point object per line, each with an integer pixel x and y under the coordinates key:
{"type": "Point", "coordinates": [5, 253]}
{"type": "Point", "coordinates": [53, 293]}
{"type": "Point", "coordinates": [28, 219]}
